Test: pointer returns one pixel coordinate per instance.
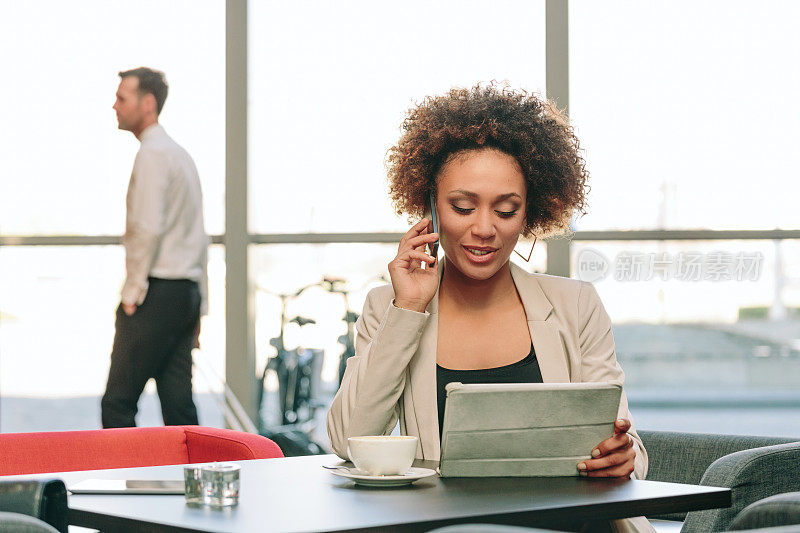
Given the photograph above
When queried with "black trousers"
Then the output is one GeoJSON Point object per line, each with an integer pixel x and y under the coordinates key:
{"type": "Point", "coordinates": [154, 342]}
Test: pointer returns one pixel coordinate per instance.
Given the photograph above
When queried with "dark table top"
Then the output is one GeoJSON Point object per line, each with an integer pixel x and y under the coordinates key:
{"type": "Point", "coordinates": [296, 494]}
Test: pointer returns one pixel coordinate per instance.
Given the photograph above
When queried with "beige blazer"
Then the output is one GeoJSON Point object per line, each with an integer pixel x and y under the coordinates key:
{"type": "Point", "coordinates": [393, 373]}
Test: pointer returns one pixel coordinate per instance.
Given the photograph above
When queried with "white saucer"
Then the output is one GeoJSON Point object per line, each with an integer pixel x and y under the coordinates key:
{"type": "Point", "coordinates": [362, 478]}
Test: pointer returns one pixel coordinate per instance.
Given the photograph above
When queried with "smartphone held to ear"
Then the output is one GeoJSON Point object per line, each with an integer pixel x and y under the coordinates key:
{"type": "Point", "coordinates": [434, 246]}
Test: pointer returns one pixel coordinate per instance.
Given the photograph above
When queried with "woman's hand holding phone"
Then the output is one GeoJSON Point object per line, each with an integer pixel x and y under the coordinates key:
{"type": "Point", "coordinates": [414, 286]}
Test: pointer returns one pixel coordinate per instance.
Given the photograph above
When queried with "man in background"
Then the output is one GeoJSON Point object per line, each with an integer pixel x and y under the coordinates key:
{"type": "Point", "coordinates": [165, 290]}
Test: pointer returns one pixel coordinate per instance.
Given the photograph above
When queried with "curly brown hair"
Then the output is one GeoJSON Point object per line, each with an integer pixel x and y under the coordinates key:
{"type": "Point", "coordinates": [529, 128]}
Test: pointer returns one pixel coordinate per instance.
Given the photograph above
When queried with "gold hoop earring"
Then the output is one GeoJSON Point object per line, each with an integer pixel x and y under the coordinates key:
{"type": "Point", "coordinates": [527, 259]}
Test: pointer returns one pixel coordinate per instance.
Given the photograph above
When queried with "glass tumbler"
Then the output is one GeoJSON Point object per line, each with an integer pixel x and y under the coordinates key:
{"type": "Point", "coordinates": [220, 484]}
{"type": "Point", "coordinates": [193, 485]}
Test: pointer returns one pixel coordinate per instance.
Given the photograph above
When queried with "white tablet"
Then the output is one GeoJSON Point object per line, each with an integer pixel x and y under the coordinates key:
{"type": "Point", "coordinates": [525, 429]}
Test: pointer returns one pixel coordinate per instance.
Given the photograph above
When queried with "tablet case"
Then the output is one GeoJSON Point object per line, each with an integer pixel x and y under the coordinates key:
{"type": "Point", "coordinates": [525, 429]}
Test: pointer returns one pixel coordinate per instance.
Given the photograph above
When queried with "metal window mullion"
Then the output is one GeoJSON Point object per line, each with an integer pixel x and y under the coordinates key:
{"type": "Point", "coordinates": [557, 88]}
{"type": "Point", "coordinates": [239, 317]}
{"type": "Point", "coordinates": [394, 237]}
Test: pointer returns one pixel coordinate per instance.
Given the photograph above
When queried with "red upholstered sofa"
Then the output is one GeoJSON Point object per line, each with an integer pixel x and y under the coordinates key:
{"type": "Point", "coordinates": [63, 451]}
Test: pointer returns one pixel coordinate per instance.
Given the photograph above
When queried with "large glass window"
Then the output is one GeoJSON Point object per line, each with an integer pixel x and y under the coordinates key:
{"type": "Point", "coordinates": [64, 164]}
{"type": "Point", "coordinates": [703, 327]}
{"type": "Point", "coordinates": [57, 308]}
{"type": "Point", "coordinates": [688, 112]}
{"type": "Point", "coordinates": [64, 169]}
{"type": "Point", "coordinates": [685, 111]}
{"type": "Point", "coordinates": [330, 83]}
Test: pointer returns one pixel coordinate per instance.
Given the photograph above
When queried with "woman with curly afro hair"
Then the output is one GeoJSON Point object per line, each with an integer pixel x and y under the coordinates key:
{"type": "Point", "coordinates": [496, 164]}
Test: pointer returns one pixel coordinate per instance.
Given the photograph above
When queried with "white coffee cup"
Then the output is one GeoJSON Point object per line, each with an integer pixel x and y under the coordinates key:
{"type": "Point", "coordinates": [382, 455]}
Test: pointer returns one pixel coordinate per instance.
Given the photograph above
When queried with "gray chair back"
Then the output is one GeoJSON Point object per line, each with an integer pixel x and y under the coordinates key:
{"type": "Point", "coordinates": [752, 475]}
{"type": "Point", "coordinates": [684, 457]}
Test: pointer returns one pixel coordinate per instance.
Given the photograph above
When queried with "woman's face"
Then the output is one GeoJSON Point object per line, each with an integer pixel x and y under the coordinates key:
{"type": "Point", "coordinates": [480, 200]}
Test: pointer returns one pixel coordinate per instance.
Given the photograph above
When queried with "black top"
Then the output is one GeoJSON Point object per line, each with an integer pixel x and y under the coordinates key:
{"type": "Point", "coordinates": [523, 371]}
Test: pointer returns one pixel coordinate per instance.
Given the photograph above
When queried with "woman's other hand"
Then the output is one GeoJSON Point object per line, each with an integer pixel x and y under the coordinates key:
{"type": "Point", "coordinates": [614, 456]}
{"type": "Point", "coordinates": [414, 286]}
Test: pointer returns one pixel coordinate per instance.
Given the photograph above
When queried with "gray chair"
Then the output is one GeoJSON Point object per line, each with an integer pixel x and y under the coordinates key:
{"type": "Point", "coordinates": [781, 529]}
{"type": "Point", "coordinates": [778, 510]}
{"type": "Point", "coordinates": [752, 467]}
{"type": "Point", "coordinates": [20, 523]}
{"type": "Point", "coordinates": [33, 506]}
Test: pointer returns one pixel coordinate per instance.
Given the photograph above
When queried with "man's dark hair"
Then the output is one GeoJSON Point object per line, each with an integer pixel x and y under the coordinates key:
{"type": "Point", "coordinates": [150, 82]}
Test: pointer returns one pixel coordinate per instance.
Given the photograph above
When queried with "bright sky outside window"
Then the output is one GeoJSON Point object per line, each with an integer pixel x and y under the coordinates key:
{"type": "Point", "coordinates": [64, 164]}
{"type": "Point", "coordinates": [688, 112]}
{"type": "Point", "coordinates": [330, 83]}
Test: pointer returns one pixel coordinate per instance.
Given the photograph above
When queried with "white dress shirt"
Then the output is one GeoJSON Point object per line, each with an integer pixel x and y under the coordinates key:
{"type": "Point", "coordinates": [164, 233]}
